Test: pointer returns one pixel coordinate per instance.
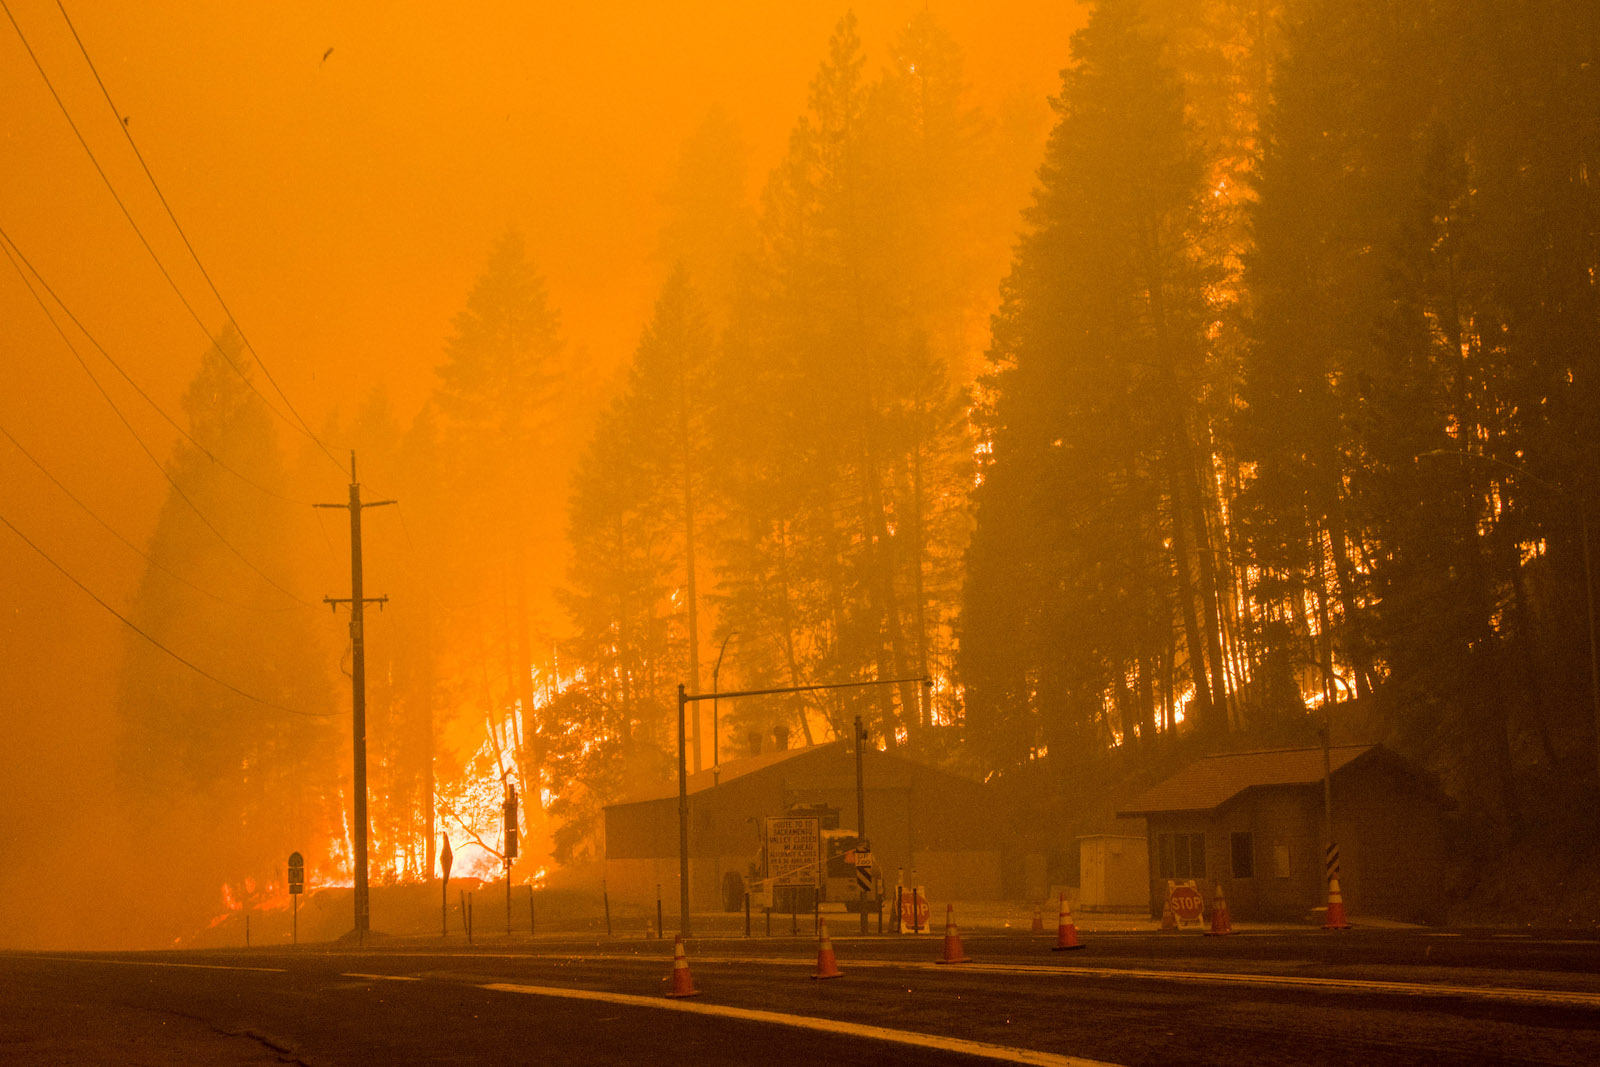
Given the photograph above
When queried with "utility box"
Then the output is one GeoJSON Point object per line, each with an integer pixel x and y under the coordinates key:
{"type": "Point", "coordinates": [1114, 873]}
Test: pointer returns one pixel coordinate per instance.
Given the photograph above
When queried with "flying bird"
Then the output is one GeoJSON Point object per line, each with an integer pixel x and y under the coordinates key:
{"type": "Point", "coordinates": [325, 56]}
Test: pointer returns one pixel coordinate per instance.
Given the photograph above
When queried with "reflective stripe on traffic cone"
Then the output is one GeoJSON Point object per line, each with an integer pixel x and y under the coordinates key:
{"type": "Point", "coordinates": [1066, 932]}
{"type": "Point", "coordinates": [682, 983]}
{"type": "Point", "coordinates": [952, 938]}
{"type": "Point", "coordinates": [827, 966]}
{"type": "Point", "coordinates": [1220, 923]}
{"type": "Point", "coordinates": [1336, 919]}
{"type": "Point", "coordinates": [1038, 920]}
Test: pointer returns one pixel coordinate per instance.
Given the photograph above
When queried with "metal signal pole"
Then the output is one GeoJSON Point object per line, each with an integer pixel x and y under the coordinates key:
{"type": "Point", "coordinates": [685, 698]}
{"type": "Point", "coordinates": [358, 689]}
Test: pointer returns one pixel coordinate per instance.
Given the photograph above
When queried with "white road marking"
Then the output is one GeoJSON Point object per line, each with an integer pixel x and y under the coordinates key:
{"type": "Point", "coordinates": [383, 977]}
{"type": "Point", "coordinates": [155, 963]}
{"type": "Point", "coordinates": [1557, 997]}
{"type": "Point", "coordinates": [809, 1022]}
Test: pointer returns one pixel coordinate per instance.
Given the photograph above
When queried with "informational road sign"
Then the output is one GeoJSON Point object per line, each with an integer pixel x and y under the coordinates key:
{"type": "Point", "coordinates": [1188, 906]}
{"type": "Point", "coordinates": [794, 850]}
{"type": "Point", "coordinates": [297, 873]}
{"type": "Point", "coordinates": [863, 863]}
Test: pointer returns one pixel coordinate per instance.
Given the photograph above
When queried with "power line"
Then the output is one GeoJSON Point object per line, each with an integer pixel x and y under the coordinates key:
{"type": "Point", "coordinates": [6, 239]}
{"type": "Point", "coordinates": [130, 624]}
{"type": "Point", "coordinates": [141, 442]}
{"type": "Point", "coordinates": [163, 568]}
{"type": "Point", "coordinates": [186, 242]}
{"type": "Point", "coordinates": [171, 282]}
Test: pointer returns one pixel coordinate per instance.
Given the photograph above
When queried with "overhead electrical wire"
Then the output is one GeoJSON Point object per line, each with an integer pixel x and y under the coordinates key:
{"type": "Point", "coordinates": [297, 422]}
{"type": "Point", "coordinates": [130, 624]}
{"type": "Point", "coordinates": [204, 273]}
{"type": "Point", "coordinates": [151, 560]}
{"type": "Point", "coordinates": [141, 442]}
{"type": "Point", "coordinates": [6, 239]}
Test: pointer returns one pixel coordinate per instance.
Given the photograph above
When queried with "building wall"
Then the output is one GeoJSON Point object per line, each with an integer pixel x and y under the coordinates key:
{"type": "Point", "coordinates": [1113, 872]}
{"type": "Point", "coordinates": [1390, 833]}
{"type": "Point", "coordinates": [943, 831]}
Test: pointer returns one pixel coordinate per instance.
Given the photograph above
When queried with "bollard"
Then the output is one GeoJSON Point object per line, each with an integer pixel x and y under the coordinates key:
{"type": "Point", "coordinates": [247, 929]}
{"type": "Point", "coordinates": [768, 913]}
{"type": "Point", "coordinates": [747, 913]}
{"type": "Point", "coordinates": [659, 927]}
{"type": "Point", "coordinates": [605, 898]}
{"type": "Point", "coordinates": [530, 911]}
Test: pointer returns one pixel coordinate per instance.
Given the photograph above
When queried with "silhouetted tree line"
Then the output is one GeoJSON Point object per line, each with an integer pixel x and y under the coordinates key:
{"type": "Point", "coordinates": [1294, 395]}
{"type": "Point", "coordinates": [1289, 415]}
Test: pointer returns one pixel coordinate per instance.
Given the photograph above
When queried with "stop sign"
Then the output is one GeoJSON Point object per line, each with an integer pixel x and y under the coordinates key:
{"type": "Point", "coordinates": [916, 919]}
{"type": "Point", "coordinates": [1186, 903]}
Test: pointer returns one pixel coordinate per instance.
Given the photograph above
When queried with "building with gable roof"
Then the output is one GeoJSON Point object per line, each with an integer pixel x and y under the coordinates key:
{"type": "Point", "coordinates": [1253, 823]}
{"type": "Point", "coordinates": [944, 831]}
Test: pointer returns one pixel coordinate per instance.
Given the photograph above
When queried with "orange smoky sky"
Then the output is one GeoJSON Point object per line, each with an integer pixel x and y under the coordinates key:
{"type": "Point", "coordinates": [342, 171]}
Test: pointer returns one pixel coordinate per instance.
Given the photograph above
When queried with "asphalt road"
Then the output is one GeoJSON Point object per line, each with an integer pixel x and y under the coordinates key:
{"type": "Point", "coordinates": [1362, 997]}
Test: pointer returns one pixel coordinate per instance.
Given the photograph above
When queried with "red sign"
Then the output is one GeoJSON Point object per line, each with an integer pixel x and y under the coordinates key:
{"type": "Point", "coordinates": [917, 919]}
{"type": "Point", "coordinates": [1186, 902]}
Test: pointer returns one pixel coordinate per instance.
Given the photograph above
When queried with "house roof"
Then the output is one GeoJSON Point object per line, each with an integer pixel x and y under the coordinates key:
{"type": "Point", "coordinates": [1208, 783]}
{"type": "Point", "coordinates": [702, 780]}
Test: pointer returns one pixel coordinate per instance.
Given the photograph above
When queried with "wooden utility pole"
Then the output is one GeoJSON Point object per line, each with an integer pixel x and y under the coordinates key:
{"type": "Point", "coordinates": [358, 691]}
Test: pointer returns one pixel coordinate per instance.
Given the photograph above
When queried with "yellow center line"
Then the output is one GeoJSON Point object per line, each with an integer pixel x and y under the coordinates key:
{"type": "Point", "coordinates": [1563, 998]}
{"type": "Point", "coordinates": [982, 1049]}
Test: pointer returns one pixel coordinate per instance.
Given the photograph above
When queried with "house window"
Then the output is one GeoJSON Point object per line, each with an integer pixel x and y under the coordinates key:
{"type": "Point", "coordinates": [1244, 856]}
{"type": "Point", "coordinates": [1181, 855]}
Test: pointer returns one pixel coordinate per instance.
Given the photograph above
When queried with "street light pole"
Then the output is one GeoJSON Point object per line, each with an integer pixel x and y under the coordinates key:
{"type": "Point", "coordinates": [716, 733]}
{"type": "Point", "coordinates": [685, 698]}
{"type": "Point", "coordinates": [683, 819]}
{"type": "Point", "coordinates": [1594, 657]}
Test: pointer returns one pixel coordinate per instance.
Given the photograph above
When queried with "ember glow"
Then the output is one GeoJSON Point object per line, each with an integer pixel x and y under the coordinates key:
{"type": "Point", "coordinates": [1084, 360]}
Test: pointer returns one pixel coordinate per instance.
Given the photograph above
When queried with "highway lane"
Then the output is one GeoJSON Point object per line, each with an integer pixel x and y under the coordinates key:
{"type": "Point", "coordinates": [1303, 998]}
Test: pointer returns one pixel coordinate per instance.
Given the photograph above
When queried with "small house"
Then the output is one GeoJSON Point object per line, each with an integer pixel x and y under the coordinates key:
{"type": "Point", "coordinates": [1253, 822]}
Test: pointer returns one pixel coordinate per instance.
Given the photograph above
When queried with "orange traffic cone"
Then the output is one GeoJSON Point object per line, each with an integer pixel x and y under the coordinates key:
{"type": "Point", "coordinates": [1220, 924]}
{"type": "Point", "coordinates": [1038, 920]}
{"type": "Point", "coordinates": [1066, 932]}
{"type": "Point", "coordinates": [649, 929]}
{"type": "Point", "coordinates": [1169, 919]}
{"type": "Point", "coordinates": [682, 983]}
{"type": "Point", "coordinates": [1336, 919]}
{"type": "Point", "coordinates": [827, 966]}
{"type": "Point", "coordinates": [952, 938]}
